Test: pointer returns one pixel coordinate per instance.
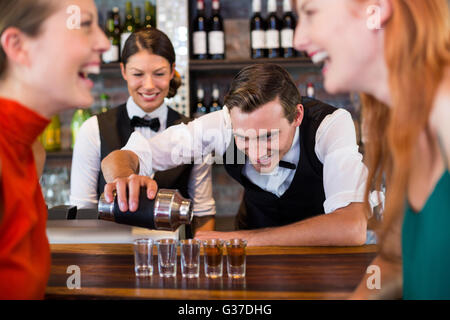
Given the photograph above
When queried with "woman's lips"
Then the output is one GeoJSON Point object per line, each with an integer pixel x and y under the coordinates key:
{"type": "Point", "coordinates": [149, 97]}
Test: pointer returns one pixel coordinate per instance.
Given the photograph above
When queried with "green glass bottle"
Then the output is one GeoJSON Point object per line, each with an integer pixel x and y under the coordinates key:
{"type": "Point", "coordinates": [104, 103]}
{"type": "Point", "coordinates": [112, 55]}
{"type": "Point", "coordinates": [51, 137]}
{"type": "Point", "coordinates": [137, 18]}
{"type": "Point", "coordinates": [150, 15]}
{"type": "Point", "coordinates": [80, 116]}
{"type": "Point", "coordinates": [129, 26]}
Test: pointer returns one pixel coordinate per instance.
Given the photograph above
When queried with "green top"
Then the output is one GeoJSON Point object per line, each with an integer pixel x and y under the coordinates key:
{"type": "Point", "coordinates": [426, 246]}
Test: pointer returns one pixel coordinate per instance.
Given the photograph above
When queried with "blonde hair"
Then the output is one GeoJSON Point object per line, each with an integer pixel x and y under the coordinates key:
{"type": "Point", "coordinates": [417, 49]}
{"type": "Point", "coordinates": [25, 15]}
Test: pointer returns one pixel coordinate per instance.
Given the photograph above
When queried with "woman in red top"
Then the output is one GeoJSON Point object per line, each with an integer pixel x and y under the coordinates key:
{"type": "Point", "coordinates": [47, 48]}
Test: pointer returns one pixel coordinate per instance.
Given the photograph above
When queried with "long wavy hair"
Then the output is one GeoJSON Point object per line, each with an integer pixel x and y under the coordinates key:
{"type": "Point", "coordinates": [417, 50]}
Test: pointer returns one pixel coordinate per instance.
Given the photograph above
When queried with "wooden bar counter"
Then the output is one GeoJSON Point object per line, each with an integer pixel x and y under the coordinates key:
{"type": "Point", "coordinates": [107, 272]}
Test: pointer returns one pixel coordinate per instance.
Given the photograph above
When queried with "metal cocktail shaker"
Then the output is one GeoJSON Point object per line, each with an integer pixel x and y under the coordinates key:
{"type": "Point", "coordinates": [167, 211]}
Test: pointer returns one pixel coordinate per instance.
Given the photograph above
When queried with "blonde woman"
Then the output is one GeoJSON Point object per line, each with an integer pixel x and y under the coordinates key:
{"type": "Point", "coordinates": [397, 54]}
{"type": "Point", "coordinates": [45, 56]}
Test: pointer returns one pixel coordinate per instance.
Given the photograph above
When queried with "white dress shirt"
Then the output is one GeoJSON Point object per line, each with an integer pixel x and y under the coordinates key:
{"type": "Point", "coordinates": [344, 174]}
{"type": "Point", "coordinates": [86, 164]}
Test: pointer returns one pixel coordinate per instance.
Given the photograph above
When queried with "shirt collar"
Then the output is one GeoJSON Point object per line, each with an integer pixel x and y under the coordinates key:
{"type": "Point", "coordinates": [293, 154]}
{"type": "Point", "coordinates": [134, 110]}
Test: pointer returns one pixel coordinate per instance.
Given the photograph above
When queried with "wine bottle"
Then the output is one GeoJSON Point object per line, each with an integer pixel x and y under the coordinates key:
{"type": "Point", "coordinates": [80, 116]}
{"type": "Point", "coordinates": [287, 31]}
{"type": "Point", "coordinates": [150, 17]}
{"type": "Point", "coordinates": [199, 37]}
{"type": "Point", "coordinates": [215, 104]}
{"type": "Point", "coordinates": [51, 137]}
{"type": "Point", "coordinates": [202, 109]}
{"type": "Point", "coordinates": [128, 27]}
{"type": "Point", "coordinates": [257, 32]}
{"type": "Point", "coordinates": [310, 92]}
{"type": "Point", "coordinates": [273, 30]}
{"type": "Point", "coordinates": [137, 18]}
{"type": "Point", "coordinates": [216, 35]}
{"type": "Point", "coordinates": [112, 55]}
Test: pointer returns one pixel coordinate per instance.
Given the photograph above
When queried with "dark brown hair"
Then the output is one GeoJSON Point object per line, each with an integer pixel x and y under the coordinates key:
{"type": "Point", "coordinates": [155, 42]}
{"type": "Point", "coordinates": [259, 84]}
{"type": "Point", "coordinates": [25, 15]}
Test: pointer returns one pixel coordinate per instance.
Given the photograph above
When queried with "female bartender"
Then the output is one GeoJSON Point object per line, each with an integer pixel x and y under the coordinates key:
{"type": "Point", "coordinates": [43, 68]}
{"type": "Point", "coordinates": [148, 66]}
{"type": "Point", "coordinates": [397, 53]}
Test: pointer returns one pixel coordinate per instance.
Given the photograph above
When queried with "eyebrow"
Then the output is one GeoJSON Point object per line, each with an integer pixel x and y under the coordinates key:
{"type": "Point", "coordinates": [268, 135]}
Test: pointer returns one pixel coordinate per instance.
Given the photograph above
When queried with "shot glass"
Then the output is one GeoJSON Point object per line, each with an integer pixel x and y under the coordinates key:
{"type": "Point", "coordinates": [143, 257]}
{"type": "Point", "coordinates": [236, 258]}
{"type": "Point", "coordinates": [190, 258]}
{"type": "Point", "coordinates": [167, 257]}
{"type": "Point", "coordinates": [213, 254]}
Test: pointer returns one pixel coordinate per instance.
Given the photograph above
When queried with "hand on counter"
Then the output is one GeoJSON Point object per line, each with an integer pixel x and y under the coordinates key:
{"type": "Point", "coordinates": [130, 185]}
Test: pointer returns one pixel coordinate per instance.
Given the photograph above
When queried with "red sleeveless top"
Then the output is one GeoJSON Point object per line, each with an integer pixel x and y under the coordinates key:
{"type": "Point", "coordinates": [24, 247]}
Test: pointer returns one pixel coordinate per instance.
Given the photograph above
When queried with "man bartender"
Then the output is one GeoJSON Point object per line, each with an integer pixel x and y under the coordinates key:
{"type": "Point", "coordinates": [302, 174]}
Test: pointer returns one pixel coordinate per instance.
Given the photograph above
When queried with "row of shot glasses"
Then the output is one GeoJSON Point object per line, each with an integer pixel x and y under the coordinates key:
{"type": "Point", "coordinates": [213, 251]}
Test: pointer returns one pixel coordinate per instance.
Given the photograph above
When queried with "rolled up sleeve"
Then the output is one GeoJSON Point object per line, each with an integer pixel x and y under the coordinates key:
{"type": "Point", "coordinates": [344, 173]}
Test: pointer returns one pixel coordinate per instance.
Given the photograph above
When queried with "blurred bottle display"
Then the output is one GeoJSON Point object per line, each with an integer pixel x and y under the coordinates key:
{"type": "Point", "coordinates": [150, 15]}
{"type": "Point", "coordinates": [112, 55]}
{"type": "Point", "coordinates": [51, 137]}
{"type": "Point", "coordinates": [257, 32]}
{"type": "Point", "coordinates": [216, 35]}
{"type": "Point", "coordinates": [215, 103]}
{"type": "Point", "coordinates": [80, 116]}
{"type": "Point", "coordinates": [201, 109]}
{"type": "Point", "coordinates": [199, 36]}
{"type": "Point", "coordinates": [128, 27]}
{"type": "Point", "coordinates": [287, 31]}
{"type": "Point", "coordinates": [273, 30]}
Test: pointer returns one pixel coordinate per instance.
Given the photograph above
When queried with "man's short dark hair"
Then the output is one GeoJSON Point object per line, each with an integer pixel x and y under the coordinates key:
{"type": "Point", "coordinates": [259, 84]}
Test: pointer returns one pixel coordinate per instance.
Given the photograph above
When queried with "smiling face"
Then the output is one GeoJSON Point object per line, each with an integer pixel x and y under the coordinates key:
{"type": "Point", "coordinates": [264, 135]}
{"type": "Point", "coordinates": [62, 55]}
{"type": "Point", "coordinates": [338, 33]}
{"type": "Point", "coordinates": [148, 77]}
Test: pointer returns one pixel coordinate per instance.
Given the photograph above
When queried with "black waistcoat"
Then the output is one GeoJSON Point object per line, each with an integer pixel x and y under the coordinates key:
{"type": "Point", "coordinates": [115, 130]}
{"type": "Point", "coordinates": [305, 196]}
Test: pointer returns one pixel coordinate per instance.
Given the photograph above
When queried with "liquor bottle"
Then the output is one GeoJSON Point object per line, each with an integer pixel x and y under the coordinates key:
{"type": "Point", "coordinates": [310, 92]}
{"type": "Point", "coordinates": [287, 31]}
{"type": "Point", "coordinates": [167, 211]}
{"type": "Point", "coordinates": [80, 116]}
{"type": "Point", "coordinates": [216, 35]}
{"type": "Point", "coordinates": [128, 27]}
{"type": "Point", "coordinates": [273, 31]}
{"type": "Point", "coordinates": [150, 17]}
{"type": "Point", "coordinates": [112, 55]}
{"type": "Point", "coordinates": [202, 109]}
{"type": "Point", "coordinates": [257, 32]}
{"type": "Point", "coordinates": [137, 19]}
{"type": "Point", "coordinates": [199, 37]}
{"type": "Point", "coordinates": [51, 137]}
{"type": "Point", "coordinates": [104, 103]}
{"type": "Point", "coordinates": [116, 18]}
{"type": "Point", "coordinates": [215, 104]}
